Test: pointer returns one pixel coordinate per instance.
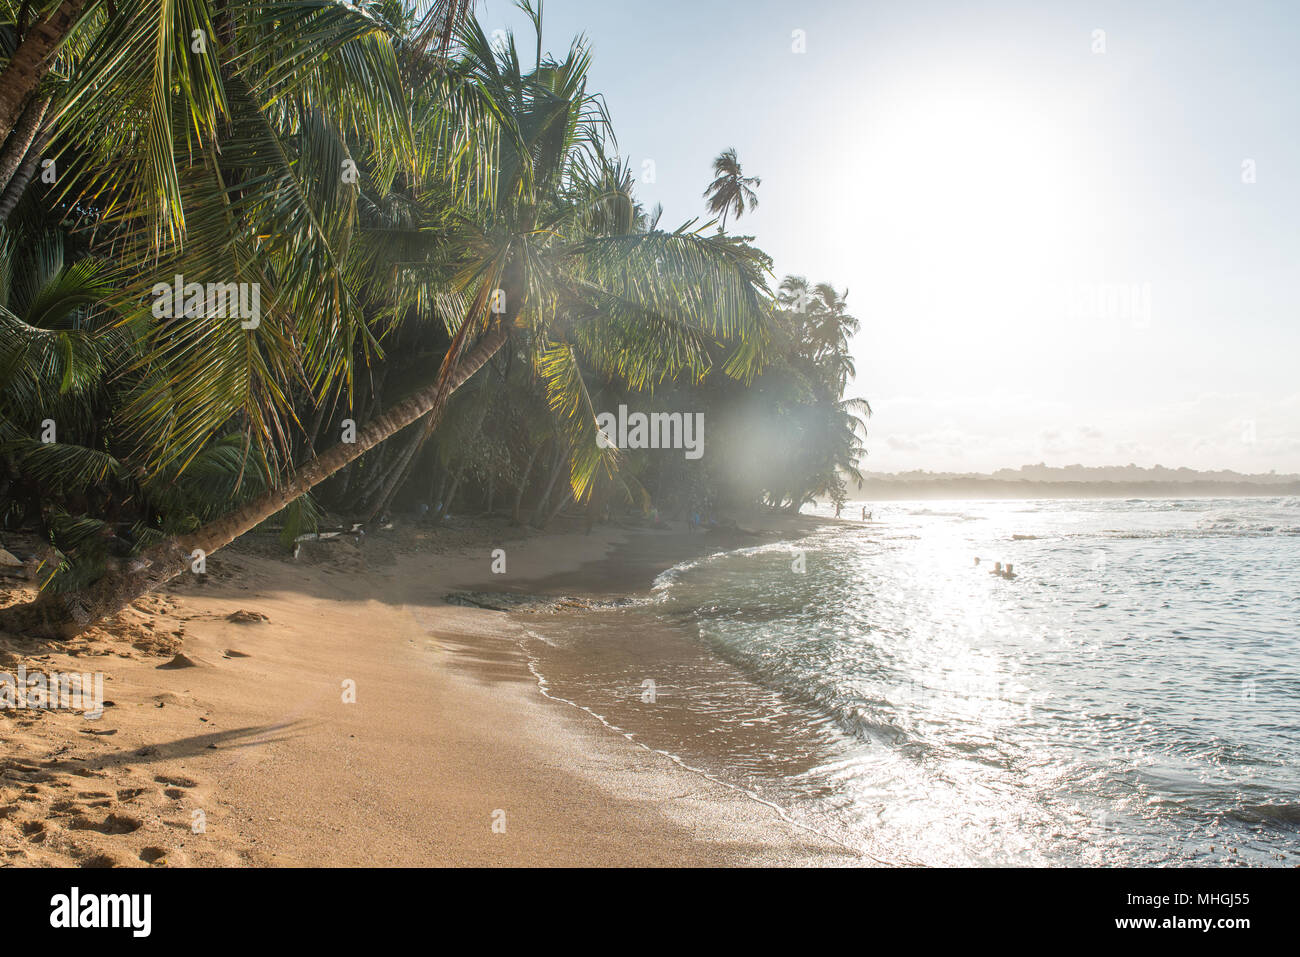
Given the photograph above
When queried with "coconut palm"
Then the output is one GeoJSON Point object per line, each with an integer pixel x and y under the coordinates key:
{"type": "Point", "coordinates": [552, 252]}
{"type": "Point", "coordinates": [731, 191]}
{"type": "Point", "coordinates": [834, 324]}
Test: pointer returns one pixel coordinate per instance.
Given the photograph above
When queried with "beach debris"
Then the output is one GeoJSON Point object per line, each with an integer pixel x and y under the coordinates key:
{"type": "Point", "coordinates": [232, 653]}
{"type": "Point", "coordinates": [243, 617]}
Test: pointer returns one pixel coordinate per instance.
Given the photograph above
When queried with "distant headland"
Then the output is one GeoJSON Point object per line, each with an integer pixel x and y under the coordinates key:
{"type": "Point", "coordinates": [1073, 481]}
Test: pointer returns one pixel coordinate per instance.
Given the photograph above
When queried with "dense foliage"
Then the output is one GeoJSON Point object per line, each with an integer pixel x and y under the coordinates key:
{"type": "Point", "coordinates": [415, 205]}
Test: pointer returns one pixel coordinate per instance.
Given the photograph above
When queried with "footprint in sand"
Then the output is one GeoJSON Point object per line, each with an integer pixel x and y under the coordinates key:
{"type": "Point", "coordinates": [34, 831]}
{"type": "Point", "coordinates": [153, 855]}
{"type": "Point", "coordinates": [113, 824]}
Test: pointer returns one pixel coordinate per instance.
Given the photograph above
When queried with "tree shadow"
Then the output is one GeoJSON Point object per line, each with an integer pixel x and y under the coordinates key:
{"type": "Point", "coordinates": [189, 747]}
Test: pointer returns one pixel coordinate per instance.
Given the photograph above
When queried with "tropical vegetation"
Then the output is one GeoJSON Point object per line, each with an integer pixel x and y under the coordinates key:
{"type": "Point", "coordinates": [451, 275]}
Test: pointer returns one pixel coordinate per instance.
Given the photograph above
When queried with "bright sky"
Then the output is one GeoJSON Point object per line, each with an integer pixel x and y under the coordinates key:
{"type": "Point", "coordinates": [1054, 252]}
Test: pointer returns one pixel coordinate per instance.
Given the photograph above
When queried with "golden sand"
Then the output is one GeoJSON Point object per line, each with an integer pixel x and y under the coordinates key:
{"type": "Point", "coordinates": [250, 750]}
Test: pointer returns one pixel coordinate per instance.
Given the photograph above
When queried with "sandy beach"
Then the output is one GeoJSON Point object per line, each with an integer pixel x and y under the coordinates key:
{"type": "Point", "coordinates": [249, 750]}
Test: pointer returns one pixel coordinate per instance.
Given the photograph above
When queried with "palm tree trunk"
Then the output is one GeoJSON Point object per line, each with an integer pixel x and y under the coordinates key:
{"type": "Point", "coordinates": [32, 60]}
{"type": "Point", "coordinates": [523, 484]}
{"type": "Point", "coordinates": [435, 497]}
{"type": "Point", "coordinates": [445, 508]}
{"type": "Point", "coordinates": [18, 185]}
{"type": "Point", "coordinates": [539, 511]}
{"type": "Point", "coordinates": [69, 614]}
{"type": "Point", "coordinates": [407, 460]}
{"type": "Point", "coordinates": [19, 144]}
{"type": "Point", "coordinates": [371, 476]}
{"type": "Point", "coordinates": [563, 500]}
{"type": "Point", "coordinates": [393, 477]}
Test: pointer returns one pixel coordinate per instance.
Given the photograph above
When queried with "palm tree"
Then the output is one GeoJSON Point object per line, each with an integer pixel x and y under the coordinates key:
{"type": "Point", "coordinates": [33, 58]}
{"type": "Point", "coordinates": [551, 252]}
{"type": "Point", "coordinates": [731, 191]}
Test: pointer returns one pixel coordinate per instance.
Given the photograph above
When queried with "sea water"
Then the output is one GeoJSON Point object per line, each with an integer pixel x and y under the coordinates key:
{"type": "Point", "coordinates": [1132, 696]}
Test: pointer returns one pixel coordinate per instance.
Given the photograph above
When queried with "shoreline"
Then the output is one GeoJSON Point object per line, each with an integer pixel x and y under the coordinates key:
{"type": "Point", "coordinates": [451, 731]}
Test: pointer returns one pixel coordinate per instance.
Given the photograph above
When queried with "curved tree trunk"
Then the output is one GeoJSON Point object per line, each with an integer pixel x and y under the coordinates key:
{"type": "Point", "coordinates": [32, 60]}
{"type": "Point", "coordinates": [68, 614]}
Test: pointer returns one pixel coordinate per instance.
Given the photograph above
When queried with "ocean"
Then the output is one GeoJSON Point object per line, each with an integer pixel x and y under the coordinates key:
{"type": "Point", "coordinates": [1132, 696]}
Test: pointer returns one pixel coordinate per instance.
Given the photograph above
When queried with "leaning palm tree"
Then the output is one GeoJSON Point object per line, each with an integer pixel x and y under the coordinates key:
{"type": "Point", "coordinates": [731, 191]}
{"type": "Point", "coordinates": [554, 255]}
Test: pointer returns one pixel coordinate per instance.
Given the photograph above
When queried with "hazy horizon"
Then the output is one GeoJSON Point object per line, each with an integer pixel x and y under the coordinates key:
{"type": "Point", "coordinates": [1076, 472]}
{"type": "Point", "coordinates": [1054, 252]}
